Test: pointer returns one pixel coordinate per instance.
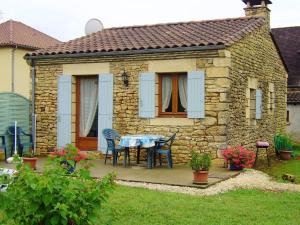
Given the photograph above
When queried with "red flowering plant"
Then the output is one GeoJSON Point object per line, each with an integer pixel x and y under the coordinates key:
{"type": "Point", "coordinates": [68, 156]}
{"type": "Point", "coordinates": [69, 152]}
{"type": "Point", "coordinates": [239, 157]}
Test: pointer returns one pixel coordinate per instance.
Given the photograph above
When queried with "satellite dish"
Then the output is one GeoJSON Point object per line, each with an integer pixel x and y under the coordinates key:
{"type": "Point", "coordinates": [92, 26]}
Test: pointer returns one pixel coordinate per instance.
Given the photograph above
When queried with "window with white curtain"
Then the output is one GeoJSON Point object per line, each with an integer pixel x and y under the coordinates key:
{"type": "Point", "coordinates": [173, 94]}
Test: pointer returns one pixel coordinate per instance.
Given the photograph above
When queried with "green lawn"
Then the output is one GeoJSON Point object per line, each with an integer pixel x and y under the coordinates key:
{"type": "Point", "coordinates": [285, 167]}
{"type": "Point", "coordinates": [296, 148]}
{"type": "Point", "coordinates": [142, 206]}
{"type": "Point", "coordinates": [280, 168]}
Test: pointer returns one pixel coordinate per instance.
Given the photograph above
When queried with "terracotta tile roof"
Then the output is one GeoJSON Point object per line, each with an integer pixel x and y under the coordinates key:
{"type": "Point", "coordinates": [287, 40]}
{"type": "Point", "coordinates": [159, 36]}
{"type": "Point", "coordinates": [293, 97]}
{"type": "Point", "coordinates": [13, 33]}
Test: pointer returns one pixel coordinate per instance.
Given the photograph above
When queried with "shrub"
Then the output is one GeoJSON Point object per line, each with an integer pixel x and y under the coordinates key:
{"type": "Point", "coordinates": [69, 156]}
{"type": "Point", "coordinates": [200, 162]}
{"type": "Point", "coordinates": [239, 156]}
{"type": "Point", "coordinates": [283, 142]}
{"type": "Point", "coordinates": [54, 197]}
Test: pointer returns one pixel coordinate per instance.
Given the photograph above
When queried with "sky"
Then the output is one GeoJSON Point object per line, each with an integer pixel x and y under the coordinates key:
{"type": "Point", "coordinates": [65, 19]}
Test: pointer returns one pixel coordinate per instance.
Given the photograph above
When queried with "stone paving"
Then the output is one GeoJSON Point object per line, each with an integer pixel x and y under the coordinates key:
{"type": "Point", "coordinates": [180, 175]}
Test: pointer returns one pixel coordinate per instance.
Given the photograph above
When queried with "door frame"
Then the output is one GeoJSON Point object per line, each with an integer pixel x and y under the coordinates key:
{"type": "Point", "coordinates": [83, 143]}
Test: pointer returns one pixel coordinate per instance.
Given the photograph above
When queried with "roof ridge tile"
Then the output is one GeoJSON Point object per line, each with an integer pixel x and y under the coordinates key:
{"type": "Point", "coordinates": [11, 31]}
{"type": "Point", "coordinates": [183, 22]}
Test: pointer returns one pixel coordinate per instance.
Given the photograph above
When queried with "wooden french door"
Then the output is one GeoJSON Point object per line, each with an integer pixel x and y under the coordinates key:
{"type": "Point", "coordinates": [86, 136]}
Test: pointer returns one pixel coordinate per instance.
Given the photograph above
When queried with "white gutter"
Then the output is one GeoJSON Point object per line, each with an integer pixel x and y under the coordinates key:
{"type": "Point", "coordinates": [33, 116]}
{"type": "Point", "coordinates": [13, 69]}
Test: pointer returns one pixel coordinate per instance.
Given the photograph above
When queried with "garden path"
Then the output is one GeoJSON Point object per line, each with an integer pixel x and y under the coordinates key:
{"type": "Point", "coordinates": [249, 179]}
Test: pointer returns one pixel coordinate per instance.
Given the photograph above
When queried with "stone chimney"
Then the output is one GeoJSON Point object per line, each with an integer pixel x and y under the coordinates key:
{"type": "Point", "coordinates": [258, 8]}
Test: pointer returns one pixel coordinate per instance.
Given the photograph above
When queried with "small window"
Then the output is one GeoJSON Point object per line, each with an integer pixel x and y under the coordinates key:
{"type": "Point", "coordinates": [252, 106]}
{"type": "Point", "coordinates": [271, 103]}
{"type": "Point", "coordinates": [287, 116]}
{"type": "Point", "coordinates": [173, 95]}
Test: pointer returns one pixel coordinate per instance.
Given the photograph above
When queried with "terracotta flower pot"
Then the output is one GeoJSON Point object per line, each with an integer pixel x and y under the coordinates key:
{"type": "Point", "coordinates": [31, 162]}
{"type": "Point", "coordinates": [2, 156]}
{"type": "Point", "coordinates": [200, 177]}
{"type": "Point", "coordinates": [285, 155]}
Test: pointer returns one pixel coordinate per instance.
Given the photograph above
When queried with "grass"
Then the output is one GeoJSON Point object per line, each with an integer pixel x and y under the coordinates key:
{"type": "Point", "coordinates": [296, 148]}
{"type": "Point", "coordinates": [280, 168]}
{"type": "Point", "coordinates": [285, 167]}
{"type": "Point", "coordinates": [141, 206]}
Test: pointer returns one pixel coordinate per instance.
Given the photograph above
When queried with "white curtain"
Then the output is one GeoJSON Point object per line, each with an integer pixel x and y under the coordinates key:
{"type": "Point", "coordinates": [88, 104]}
{"type": "Point", "coordinates": [182, 85]}
{"type": "Point", "coordinates": [166, 92]}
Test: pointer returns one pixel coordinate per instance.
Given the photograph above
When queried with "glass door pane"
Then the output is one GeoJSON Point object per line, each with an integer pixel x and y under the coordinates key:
{"type": "Point", "coordinates": [88, 107]}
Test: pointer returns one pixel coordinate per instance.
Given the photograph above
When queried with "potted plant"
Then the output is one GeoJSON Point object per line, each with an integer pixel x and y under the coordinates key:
{"type": "Point", "coordinates": [30, 159]}
{"type": "Point", "coordinates": [283, 146]}
{"type": "Point", "coordinates": [238, 158]}
{"type": "Point", "coordinates": [2, 154]}
{"type": "Point", "coordinates": [200, 163]}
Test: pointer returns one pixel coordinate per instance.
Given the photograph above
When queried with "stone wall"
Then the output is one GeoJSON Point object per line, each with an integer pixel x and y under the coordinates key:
{"type": "Point", "coordinates": [203, 135]}
{"type": "Point", "coordinates": [256, 57]}
{"type": "Point", "coordinates": [46, 106]}
{"type": "Point", "coordinates": [198, 134]}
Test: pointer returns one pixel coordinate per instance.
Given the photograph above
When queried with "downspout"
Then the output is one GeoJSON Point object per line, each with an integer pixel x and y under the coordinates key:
{"type": "Point", "coordinates": [13, 69]}
{"type": "Point", "coordinates": [33, 117]}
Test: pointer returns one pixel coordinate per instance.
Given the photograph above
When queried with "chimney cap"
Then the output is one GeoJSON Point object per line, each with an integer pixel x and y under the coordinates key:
{"type": "Point", "coordinates": [256, 2]}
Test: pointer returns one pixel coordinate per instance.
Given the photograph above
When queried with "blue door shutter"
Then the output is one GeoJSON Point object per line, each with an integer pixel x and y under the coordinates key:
{"type": "Point", "coordinates": [105, 108]}
{"type": "Point", "coordinates": [258, 104]}
{"type": "Point", "coordinates": [196, 94]}
{"type": "Point", "coordinates": [147, 95]}
{"type": "Point", "coordinates": [64, 110]}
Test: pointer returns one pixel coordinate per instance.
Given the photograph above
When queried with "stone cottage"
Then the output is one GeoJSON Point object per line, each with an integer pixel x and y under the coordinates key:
{"type": "Point", "coordinates": [287, 39]}
{"type": "Point", "coordinates": [218, 82]}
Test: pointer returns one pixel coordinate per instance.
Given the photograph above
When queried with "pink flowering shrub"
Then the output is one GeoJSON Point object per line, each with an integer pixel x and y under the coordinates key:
{"type": "Point", "coordinates": [69, 152]}
{"type": "Point", "coordinates": [239, 156]}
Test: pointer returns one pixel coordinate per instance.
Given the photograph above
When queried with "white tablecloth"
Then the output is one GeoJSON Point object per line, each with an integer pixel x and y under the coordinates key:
{"type": "Point", "coordinates": [143, 140]}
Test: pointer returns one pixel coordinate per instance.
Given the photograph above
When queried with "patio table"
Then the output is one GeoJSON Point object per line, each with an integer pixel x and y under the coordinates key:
{"type": "Point", "coordinates": [141, 140]}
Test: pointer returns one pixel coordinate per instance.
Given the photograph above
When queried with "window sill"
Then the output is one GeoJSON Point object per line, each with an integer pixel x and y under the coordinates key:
{"type": "Point", "coordinates": [172, 116]}
{"type": "Point", "coordinates": [174, 121]}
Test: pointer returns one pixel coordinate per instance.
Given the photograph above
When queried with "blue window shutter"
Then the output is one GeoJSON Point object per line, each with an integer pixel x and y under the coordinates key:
{"type": "Point", "coordinates": [196, 94]}
{"type": "Point", "coordinates": [64, 110]}
{"type": "Point", "coordinates": [147, 95]}
{"type": "Point", "coordinates": [258, 101]}
{"type": "Point", "coordinates": [105, 108]}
